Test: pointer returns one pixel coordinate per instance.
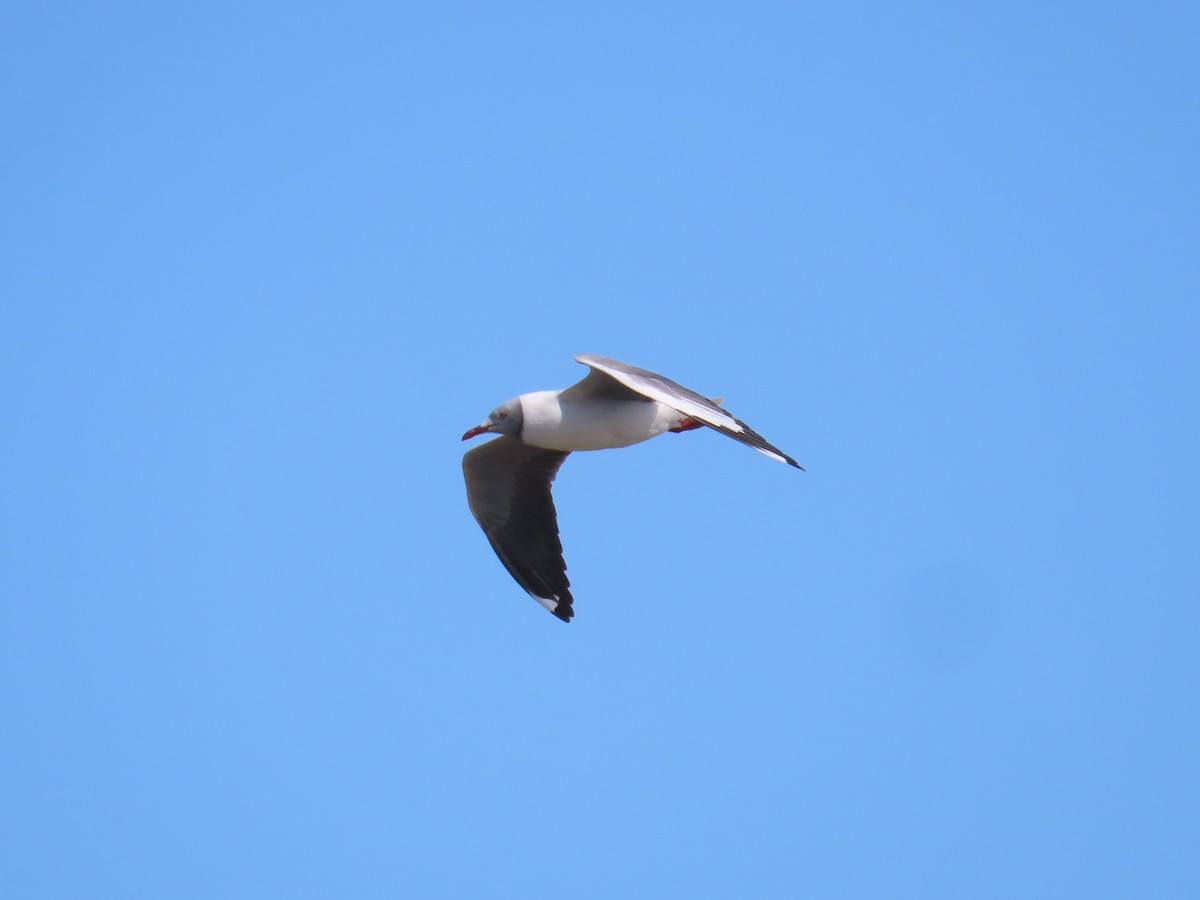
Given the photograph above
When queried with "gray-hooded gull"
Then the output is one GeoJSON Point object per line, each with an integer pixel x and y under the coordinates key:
{"type": "Point", "coordinates": [508, 479]}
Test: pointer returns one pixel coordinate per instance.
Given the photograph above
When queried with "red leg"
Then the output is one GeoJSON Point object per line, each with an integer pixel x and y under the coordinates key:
{"type": "Point", "coordinates": [687, 423]}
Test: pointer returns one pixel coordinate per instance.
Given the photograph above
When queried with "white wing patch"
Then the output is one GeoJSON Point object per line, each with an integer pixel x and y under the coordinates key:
{"type": "Point", "coordinates": [772, 454]}
{"type": "Point", "coordinates": [551, 605]}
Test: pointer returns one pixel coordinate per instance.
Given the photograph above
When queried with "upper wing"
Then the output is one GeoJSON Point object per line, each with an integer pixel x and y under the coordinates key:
{"type": "Point", "coordinates": [508, 489]}
{"type": "Point", "coordinates": [667, 392]}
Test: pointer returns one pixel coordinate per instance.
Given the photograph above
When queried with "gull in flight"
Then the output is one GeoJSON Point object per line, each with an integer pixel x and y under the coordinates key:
{"type": "Point", "coordinates": [508, 479]}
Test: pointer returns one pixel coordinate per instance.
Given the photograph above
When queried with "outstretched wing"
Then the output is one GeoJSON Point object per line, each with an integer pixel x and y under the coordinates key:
{"type": "Point", "coordinates": [667, 392]}
{"type": "Point", "coordinates": [508, 489]}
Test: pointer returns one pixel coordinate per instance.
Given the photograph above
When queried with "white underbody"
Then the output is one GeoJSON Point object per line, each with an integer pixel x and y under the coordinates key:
{"type": "Point", "coordinates": [594, 424]}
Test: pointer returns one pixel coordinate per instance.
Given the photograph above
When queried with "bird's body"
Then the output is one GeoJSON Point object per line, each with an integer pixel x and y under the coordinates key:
{"type": "Point", "coordinates": [600, 424]}
{"type": "Point", "coordinates": [508, 479]}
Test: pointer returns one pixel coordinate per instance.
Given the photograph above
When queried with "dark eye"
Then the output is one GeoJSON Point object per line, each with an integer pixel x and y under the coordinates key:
{"type": "Point", "coordinates": [503, 415]}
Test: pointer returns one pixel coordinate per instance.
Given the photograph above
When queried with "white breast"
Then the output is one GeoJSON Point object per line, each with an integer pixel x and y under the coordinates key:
{"type": "Point", "coordinates": [591, 424]}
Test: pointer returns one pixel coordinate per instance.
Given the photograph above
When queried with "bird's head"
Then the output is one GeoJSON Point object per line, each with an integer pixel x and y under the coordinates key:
{"type": "Point", "coordinates": [506, 418]}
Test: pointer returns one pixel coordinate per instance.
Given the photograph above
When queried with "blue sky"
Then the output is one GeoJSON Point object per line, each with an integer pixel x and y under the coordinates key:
{"type": "Point", "coordinates": [263, 264]}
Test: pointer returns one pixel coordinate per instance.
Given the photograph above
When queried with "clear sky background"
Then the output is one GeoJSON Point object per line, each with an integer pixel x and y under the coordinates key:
{"type": "Point", "coordinates": [263, 264]}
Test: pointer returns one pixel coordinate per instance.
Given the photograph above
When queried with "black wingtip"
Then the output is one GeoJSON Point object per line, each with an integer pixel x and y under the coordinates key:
{"type": "Point", "coordinates": [563, 611]}
{"type": "Point", "coordinates": [783, 457]}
